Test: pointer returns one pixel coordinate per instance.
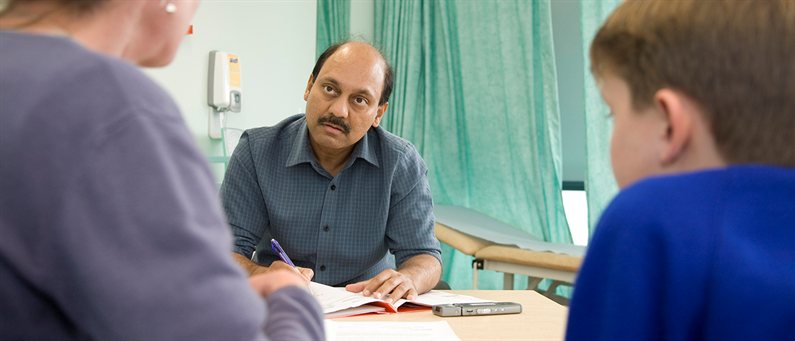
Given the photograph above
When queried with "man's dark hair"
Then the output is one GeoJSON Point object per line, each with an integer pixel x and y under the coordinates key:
{"type": "Point", "coordinates": [388, 79]}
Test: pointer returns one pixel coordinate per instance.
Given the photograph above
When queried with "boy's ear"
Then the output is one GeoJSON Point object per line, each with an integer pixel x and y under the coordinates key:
{"type": "Point", "coordinates": [679, 129]}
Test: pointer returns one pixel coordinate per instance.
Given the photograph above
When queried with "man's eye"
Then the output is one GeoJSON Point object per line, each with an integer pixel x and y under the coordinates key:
{"type": "Point", "coordinates": [360, 100]}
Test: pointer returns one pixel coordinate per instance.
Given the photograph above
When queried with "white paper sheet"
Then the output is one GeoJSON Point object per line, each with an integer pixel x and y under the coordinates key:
{"type": "Point", "coordinates": [389, 331]}
{"type": "Point", "coordinates": [434, 297]}
{"type": "Point", "coordinates": [360, 310]}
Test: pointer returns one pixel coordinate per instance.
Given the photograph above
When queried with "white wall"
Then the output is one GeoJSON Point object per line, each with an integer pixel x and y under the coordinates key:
{"type": "Point", "coordinates": [275, 41]}
{"type": "Point", "coordinates": [362, 19]}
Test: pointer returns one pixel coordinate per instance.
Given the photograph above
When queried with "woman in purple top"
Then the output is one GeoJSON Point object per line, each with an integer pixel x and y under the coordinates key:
{"type": "Point", "coordinates": [110, 221]}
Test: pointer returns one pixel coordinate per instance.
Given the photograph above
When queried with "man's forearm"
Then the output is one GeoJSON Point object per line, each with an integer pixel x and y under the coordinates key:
{"type": "Point", "coordinates": [424, 270]}
{"type": "Point", "coordinates": [248, 266]}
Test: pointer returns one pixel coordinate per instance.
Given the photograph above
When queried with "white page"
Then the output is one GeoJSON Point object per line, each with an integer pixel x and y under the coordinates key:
{"type": "Point", "coordinates": [389, 331]}
{"type": "Point", "coordinates": [335, 299]}
{"type": "Point", "coordinates": [365, 309]}
{"type": "Point", "coordinates": [434, 297]}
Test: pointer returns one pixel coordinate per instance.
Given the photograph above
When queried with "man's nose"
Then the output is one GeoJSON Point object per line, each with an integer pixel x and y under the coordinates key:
{"type": "Point", "coordinates": [339, 107]}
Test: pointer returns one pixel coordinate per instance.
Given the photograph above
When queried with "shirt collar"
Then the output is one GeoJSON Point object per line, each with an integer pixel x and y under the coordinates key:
{"type": "Point", "coordinates": [365, 148]}
{"type": "Point", "coordinates": [301, 151]}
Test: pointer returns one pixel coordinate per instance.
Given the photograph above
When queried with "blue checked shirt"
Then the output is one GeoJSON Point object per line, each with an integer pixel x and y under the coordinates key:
{"type": "Point", "coordinates": [343, 227]}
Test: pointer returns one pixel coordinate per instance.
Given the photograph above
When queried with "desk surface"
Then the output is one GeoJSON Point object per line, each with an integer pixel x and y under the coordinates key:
{"type": "Point", "coordinates": [541, 318]}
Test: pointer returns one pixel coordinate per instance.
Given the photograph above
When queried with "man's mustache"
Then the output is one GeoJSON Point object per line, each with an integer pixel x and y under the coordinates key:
{"type": "Point", "coordinates": [335, 121]}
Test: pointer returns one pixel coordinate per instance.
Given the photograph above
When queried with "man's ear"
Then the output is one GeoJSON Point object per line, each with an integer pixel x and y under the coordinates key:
{"type": "Point", "coordinates": [679, 118]}
{"type": "Point", "coordinates": [309, 84]}
{"type": "Point", "coordinates": [379, 114]}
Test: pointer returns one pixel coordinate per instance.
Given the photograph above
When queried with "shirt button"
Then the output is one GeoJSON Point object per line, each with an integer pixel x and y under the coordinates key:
{"type": "Point", "coordinates": [333, 187]}
{"type": "Point", "coordinates": [325, 228]}
{"type": "Point", "coordinates": [322, 268]}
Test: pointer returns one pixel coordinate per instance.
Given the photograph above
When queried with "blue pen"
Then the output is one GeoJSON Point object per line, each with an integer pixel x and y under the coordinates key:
{"type": "Point", "coordinates": [277, 249]}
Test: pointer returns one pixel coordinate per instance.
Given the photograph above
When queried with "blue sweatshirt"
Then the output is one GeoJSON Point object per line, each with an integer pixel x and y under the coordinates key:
{"type": "Point", "coordinates": [708, 255]}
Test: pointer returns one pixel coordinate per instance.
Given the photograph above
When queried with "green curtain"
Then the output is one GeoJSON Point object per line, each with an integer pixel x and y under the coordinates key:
{"type": "Point", "coordinates": [599, 182]}
{"type": "Point", "coordinates": [333, 23]}
{"type": "Point", "coordinates": [476, 92]}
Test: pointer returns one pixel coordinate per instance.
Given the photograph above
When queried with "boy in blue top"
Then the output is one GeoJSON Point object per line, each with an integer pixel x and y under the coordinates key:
{"type": "Point", "coordinates": [700, 242]}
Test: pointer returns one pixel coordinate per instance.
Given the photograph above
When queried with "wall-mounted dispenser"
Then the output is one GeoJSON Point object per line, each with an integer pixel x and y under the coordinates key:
{"type": "Point", "coordinates": [224, 90]}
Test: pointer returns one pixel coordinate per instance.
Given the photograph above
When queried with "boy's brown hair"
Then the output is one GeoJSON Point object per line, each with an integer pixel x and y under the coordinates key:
{"type": "Point", "coordinates": [735, 58]}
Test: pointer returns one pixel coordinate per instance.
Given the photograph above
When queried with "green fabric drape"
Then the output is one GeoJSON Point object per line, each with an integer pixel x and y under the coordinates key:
{"type": "Point", "coordinates": [476, 92]}
{"type": "Point", "coordinates": [333, 23]}
{"type": "Point", "coordinates": [599, 182]}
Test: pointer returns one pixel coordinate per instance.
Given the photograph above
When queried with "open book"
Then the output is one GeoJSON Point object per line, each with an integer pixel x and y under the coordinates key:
{"type": "Point", "coordinates": [338, 302]}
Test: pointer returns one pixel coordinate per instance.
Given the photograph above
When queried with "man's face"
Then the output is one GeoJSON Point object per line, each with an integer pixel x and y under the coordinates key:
{"type": "Point", "coordinates": [633, 147]}
{"type": "Point", "coordinates": [342, 103]}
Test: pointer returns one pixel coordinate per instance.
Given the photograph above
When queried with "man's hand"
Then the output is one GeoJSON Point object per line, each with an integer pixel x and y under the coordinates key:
{"type": "Point", "coordinates": [275, 279]}
{"type": "Point", "coordinates": [389, 285]}
{"type": "Point", "coordinates": [416, 275]}
{"type": "Point", "coordinates": [254, 269]}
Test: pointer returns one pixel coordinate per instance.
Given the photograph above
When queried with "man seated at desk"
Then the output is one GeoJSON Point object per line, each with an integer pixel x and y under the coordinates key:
{"type": "Point", "coordinates": [338, 195]}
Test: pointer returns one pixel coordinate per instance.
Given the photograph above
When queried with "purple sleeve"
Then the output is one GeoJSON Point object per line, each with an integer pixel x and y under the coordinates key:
{"type": "Point", "coordinates": [293, 314]}
{"type": "Point", "coordinates": [143, 252]}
